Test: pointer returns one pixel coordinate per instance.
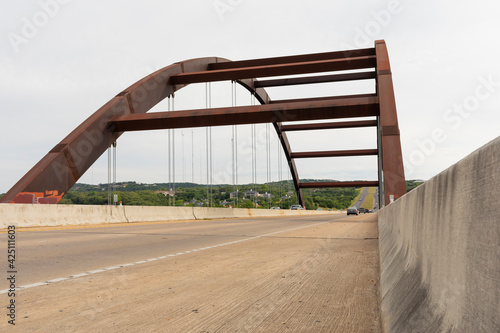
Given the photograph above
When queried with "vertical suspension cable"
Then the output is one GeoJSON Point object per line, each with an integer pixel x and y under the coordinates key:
{"type": "Point", "coordinates": [173, 154]}
{"type": "Point", "coordinates": [233, 145]}
{"type": "Point", "coordinates": [115, 199]}
{"type": "Point", "coordinates": [211, 148]}
{"type": "Point", "coordinates": [233, 176]}
{"type": "Point", "coordinates": [289, 183]}
{"type": "Point", "coordinates": [208, 170]}
{"type": "Point", "coordinates": [207, 131]}
{"type": "Point", "coordinates": [236, 152]}
{"type": "Point", "coordinates": [169, 160]}
{"type": "Point", "coordinates": [232, 167]}
{"type": "Point", "coordinates": [109, 175]}
{"type": "Point", "coordinates": [211, 169]}
{"type": "Point", "coordinates": [236, 164]}
{"type": "Point", "coordinates": [192, 156]}
{"type": "Point", "coordinates": [183, 158]}
{"type": "Point", "coordinates": [268, 164]}
{"type": "Point", "coordinates": [254, 159]}
{"type": "Point", "coordinates": [280, 193]}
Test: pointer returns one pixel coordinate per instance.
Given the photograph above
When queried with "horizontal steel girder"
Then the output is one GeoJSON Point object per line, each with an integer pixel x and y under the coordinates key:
{"type": "Point", "coordinates": [339, 184]}
{"type": "Point", "coordinates": [268, 113]}
{"type": "Point", "coordinates": [292, 59]}
{"type": "Point", "coordinates": [315, 79]}
{"type": "Point", "coordinates": [335, 153]}
{"type": "Point", "coordinates": [334, 125]}
{"type": "Point", "coordinates": [275, 70]}
{"type": "Point", "coordinates": [314, 99]}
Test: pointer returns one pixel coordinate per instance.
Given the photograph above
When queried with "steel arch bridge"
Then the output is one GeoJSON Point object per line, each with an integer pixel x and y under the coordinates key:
{"type": "Point", "coordinates": [61, 168]}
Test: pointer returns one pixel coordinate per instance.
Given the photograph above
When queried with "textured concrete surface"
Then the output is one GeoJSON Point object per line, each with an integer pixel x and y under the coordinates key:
{"type": "Point", "coordinates": [320, 278]}
{"type": "Point", "coordinates": [440, 251]}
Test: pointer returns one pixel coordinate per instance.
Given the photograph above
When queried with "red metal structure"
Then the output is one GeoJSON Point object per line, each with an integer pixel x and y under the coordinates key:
{"type": "Point", "coordinates": [59, 170]}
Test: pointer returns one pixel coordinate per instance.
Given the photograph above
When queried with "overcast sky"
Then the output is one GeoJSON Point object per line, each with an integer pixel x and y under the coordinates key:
{"type": "Point", "coordinates": [61, 60]}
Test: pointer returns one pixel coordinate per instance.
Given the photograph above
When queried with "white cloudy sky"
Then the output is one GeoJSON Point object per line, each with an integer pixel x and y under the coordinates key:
{"type": "Point", "coordinates": [61, 60]}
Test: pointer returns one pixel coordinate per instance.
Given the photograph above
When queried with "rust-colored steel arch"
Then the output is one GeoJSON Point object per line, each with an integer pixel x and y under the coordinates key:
{"type": "Point", "coordinates": [59, 170]}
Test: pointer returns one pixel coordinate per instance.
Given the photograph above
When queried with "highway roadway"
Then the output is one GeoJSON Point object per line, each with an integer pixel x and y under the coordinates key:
{"type": "Point", "coordinates": [362, 198]}
{"type": "Point", "coordinates": [206, 275]}
{"type": "Point", "coordinates": [52, 253]}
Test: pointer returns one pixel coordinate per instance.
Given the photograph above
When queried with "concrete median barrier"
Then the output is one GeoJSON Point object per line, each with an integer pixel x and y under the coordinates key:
{"type": "Point", "coordinates": [440, 251]}
{"type": "Point", "coordinates": [28, 215]}
{"type": "Point", "coordinates": [156, 214]}
{"type": "Point", "coordinates": [202, 213]}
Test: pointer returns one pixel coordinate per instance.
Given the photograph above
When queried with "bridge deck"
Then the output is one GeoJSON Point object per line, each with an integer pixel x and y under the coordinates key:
{"type": "Point", "coordinates": [320, 278]}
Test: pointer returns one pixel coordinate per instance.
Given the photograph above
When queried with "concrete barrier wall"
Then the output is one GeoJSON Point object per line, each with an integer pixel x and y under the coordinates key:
{"type": "Point", "coordinates": [440, 251]}
{"type": "Point", "coordinates": [153, 214]}
{"type": "Point", "coordinates": [50, 215]}
{"type": "Point", "coordinates": [23, 215]}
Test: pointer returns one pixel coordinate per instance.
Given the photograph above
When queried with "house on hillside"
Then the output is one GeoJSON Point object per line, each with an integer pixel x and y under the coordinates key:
{"type": "Point", "coordinates": [167, 193]}
{"type": "Point", "coordinates": [251, 194]}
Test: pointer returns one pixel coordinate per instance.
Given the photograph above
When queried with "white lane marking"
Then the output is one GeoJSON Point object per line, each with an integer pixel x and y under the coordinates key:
{"type": "Point", "coordinates": [152, 259]}
{"type": "Point", "coordinates": [79, 275]}
{"type": "Point", "coordinates": [34, 285]}
{"type": "Point", "coordinates": [126, 265]}
{"type": "Point", "coordinates": [57, 280]}
{"type": "Point", "coordinates": [113, 235]}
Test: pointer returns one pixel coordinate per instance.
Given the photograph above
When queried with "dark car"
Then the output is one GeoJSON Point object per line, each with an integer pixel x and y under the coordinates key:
{"type": "Point", "coordinates": [352, 210]}
{"type": "Point", "coordinates": [363, 210]}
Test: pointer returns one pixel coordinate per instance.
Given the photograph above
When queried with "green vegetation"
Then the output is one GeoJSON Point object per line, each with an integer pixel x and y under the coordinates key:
{"type": "Point", "coordinates": [370, 199]}
{"type": "Point", "coordinates": [189, 194]}
{"type": "Point", "coordinates": [330, 198]}
{"type": "Point", "coordinates": [411, 184]}
{"type": "Point", "coordinates": [195, 195]}
{"type": "Point", "coordinates": [358, 194]}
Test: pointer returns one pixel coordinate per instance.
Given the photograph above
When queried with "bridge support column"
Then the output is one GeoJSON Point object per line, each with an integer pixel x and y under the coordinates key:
{"type": "Point", "coordinates": [393, 182]}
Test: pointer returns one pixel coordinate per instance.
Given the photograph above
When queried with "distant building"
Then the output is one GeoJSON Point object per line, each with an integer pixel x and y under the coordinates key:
{"type": "Point", "coordinates": [233, 195]}
{"type": "Point", "coordinates": [251, 194]}
{"type": "Point", "coordinates": [167, 193]}
{"type": "Point", "coordinates": [267, 195]}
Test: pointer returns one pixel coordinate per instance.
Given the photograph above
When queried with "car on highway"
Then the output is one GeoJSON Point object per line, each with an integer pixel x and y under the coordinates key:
{"type": "Point", "coordinates": [352, 210]}
{"type": "Point", "coordinates": [275, 208]}
{"type": "Point", "coordinates": [296, 207]}
{"type": "Point", "coordinates": [363, 210]}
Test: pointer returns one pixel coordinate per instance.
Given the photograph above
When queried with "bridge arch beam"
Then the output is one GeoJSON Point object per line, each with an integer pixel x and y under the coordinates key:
{"type": "Point", "coordinates": [59, 170]}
